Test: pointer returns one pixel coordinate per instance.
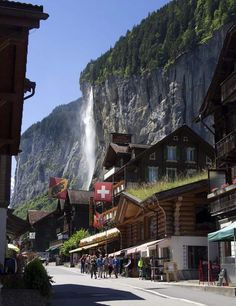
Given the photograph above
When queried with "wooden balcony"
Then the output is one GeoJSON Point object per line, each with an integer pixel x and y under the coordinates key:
{"type": "Point", "coordinates": [226, 147]}
{"type": "Point", "coordinates": [224, 202]}
{"type": "Point", "coordinates": [228, 89]}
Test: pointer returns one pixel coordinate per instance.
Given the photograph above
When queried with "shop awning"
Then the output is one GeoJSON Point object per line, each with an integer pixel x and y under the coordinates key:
{"type": "Point", "coordinates": [109, 234]}
{"type": "Point", "coordinates": [86, 247]}
{"type": "Point", "coordinates": [138, 248]}
{"type": "Point", "coordinates": [54, 247]}
{"type": "Point", "coordinates": [225, 234]}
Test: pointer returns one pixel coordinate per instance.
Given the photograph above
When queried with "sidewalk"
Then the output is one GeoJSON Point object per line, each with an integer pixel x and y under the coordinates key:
{"type": "Point", "coordinates": [223, 290]}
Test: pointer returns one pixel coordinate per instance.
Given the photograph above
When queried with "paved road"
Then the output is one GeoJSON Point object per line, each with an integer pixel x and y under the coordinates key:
{"type": "Point", "coordinates": [72, 288]}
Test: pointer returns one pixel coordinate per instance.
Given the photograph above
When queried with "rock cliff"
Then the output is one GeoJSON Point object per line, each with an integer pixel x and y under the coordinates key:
{"type": "Point", "coordinates": [149, 107]}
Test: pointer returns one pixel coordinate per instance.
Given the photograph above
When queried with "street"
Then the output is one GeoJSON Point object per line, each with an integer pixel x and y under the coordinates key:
{"type": "Point", "coordinates": [73, 288]}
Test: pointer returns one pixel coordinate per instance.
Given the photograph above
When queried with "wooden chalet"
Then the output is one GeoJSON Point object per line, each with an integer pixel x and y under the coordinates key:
{"type": "Point", "coordinates": [75, 211]}
{"type": "Point", "coordinates": [43, 229]}
{"type": "Point", "coordinates": [16, 20]}
{"type": "Point", "coordinates": [181, 153]}
{"type": "Point", "coordinates": [220, 102]}
{"type": "Point", "coordinates": [171, 225]}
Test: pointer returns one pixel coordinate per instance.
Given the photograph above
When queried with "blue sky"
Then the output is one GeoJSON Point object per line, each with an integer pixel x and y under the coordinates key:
{"type": "Point", "coordinates": [75, 32]}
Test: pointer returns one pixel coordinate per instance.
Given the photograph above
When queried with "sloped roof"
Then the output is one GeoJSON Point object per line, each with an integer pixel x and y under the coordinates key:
{"type": "Point", "coordinates": [119, 149]}
{"type": "Point", "coordinates": [36, 215]}
{"type": "Point", "coordinates": [79, 196]}
{"type": "Point", "coordinates": [138, 146]}
{"type": "Point", "coordinates": [192, 188]}
{"type": "Point", "coordinates": [15, 225]}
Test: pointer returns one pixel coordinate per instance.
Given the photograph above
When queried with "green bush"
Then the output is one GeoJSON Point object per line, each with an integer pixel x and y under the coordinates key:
{"type": "Point", "coordinates": [36, 277]}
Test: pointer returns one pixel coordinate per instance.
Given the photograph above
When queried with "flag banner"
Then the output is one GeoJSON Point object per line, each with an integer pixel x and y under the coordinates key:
{"type": "Point", "coordinates": [91, 211]}
{"type": "Point", "coordinates": [103, 192]}
{"type": "Point", "coordinates": [58, 188]}
{"type": "Point", "coordinates": [99, 220]}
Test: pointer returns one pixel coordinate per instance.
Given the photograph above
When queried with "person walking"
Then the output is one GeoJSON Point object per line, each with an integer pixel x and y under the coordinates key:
{"type": "Point", "coordinates": [93, 267]}
{"type": "Point", "coordinates": [110, 266]}
{"type": "Point", "coordinates": [105, 266]}
{"type": "Point", "coordinates": [140, 267]}
{"type": "Point", "coordinates": [82, 264]}
{"type": "Point", "coordinates": [116, 266]}
{"type": "Point", "coordinates": [99, 262]}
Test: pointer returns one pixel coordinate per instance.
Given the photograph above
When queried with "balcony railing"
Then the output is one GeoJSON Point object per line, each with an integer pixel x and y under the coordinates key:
{"type": "Point", "coordinates": [228, 89]}
{"type": "Point", "coordinates": [119, 187]}
{"type": "Point", "coordinates": [223, 203]}
{"type": "Point", "coordinates": [226, 147]}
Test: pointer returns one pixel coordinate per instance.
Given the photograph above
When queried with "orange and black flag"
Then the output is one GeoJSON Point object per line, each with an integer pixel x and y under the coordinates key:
{"type": "Point", "coordinates": [57, 188]}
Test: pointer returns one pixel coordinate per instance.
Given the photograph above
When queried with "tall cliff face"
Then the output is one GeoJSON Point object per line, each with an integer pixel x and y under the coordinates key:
{"type": "Point", "coordinates": [51, 147]}
{"type": "Point", "coordinates": [149, 107]}
{"type": "Point", "coordinates": [152, 106]}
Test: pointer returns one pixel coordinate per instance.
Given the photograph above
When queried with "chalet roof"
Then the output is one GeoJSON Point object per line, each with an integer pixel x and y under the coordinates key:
{"type": "Point", "coordinates": [14, 11]}
{"type": "Point", "coordinates": [79, 196]}
{"type": "Point", "coordinates": [114, 149]}
{"type": "Point", "coordinates": [36, 215]}
{"type": "Point", "coordinates": [226, 59]}
{"type": "Point", "coordinates": [130, 197]}
{"type": "Point", "coordinates": [16, 19]}
{"type": "Point", "coordinates": [192, 188]}
{"type": "Point", "coordinates": [15, 225]}
{"type": "Point", "coordinates": [138, 146]}
{"type": "Point", "coordinates": [119, 149]}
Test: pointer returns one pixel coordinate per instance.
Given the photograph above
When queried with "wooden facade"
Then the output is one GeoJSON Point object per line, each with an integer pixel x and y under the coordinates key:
{"type": "Point", "coordinates": [182, 153]}
{"type": "Point", "coordinates": [220, 102]}
{"type": "Point", "coordinates": [171, 224]}
{"type": "Point", "coordinates": [179, 211]}
{"type": "Point", "coordinates": [16, 20]}
{"type": "Point", "coordinates": [75, 211]}
{"type": "Point", "coordinates": [44, 225]}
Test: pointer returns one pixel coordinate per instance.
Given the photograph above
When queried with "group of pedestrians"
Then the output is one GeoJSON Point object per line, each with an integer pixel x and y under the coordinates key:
{"type": "Point", "coordinates": [99, 266]}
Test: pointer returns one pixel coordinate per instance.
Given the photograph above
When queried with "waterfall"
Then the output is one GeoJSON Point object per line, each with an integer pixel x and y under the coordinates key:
{"type": "Point", "coordinates": [88, 150]}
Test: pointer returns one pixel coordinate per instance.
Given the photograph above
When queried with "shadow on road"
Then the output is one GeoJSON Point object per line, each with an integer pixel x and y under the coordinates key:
{"type": "Point", "coordinates": [74, 295]}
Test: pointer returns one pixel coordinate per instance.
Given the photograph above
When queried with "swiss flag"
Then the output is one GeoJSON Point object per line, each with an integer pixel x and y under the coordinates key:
{"type": "Point", "coordinates": [103, 192]}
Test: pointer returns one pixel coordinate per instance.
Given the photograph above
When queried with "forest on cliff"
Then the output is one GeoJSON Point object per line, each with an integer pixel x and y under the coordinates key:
{"type": "Point", "coordinates": [176, 28]}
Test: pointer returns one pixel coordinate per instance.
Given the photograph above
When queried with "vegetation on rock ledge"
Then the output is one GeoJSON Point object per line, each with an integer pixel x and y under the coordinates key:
{"type": "Point", "coordinates": [165, 34]}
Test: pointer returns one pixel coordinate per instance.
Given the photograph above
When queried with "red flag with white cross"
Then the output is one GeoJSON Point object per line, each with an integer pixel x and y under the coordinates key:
{"type": "Point", "coordinates": [103, 192]}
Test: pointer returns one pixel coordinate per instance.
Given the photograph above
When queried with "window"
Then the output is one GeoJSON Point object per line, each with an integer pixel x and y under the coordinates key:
{"type": "Point", "coordinates": [171, 153]}
{"type": "Point", "coordinates": [191, 172]}
{"type": "Point", "coordinates": [171, 173]}
{"type": "Point", "coordinates": [190, 154]}
{"type": "Point", "coordinates": [195, 254]}
{"type": "Point", "coordinates": [152, 156]}
{"type": "Point", "coordinates": [152, 174]}
{"type": "Point", "coordinates": [185, 139]}
{"type": "Point", "coordinates": [175, 138]}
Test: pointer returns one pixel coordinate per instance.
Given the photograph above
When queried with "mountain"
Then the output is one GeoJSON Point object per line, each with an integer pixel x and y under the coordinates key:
{"type": "Point", "coordinates": [149, 102]}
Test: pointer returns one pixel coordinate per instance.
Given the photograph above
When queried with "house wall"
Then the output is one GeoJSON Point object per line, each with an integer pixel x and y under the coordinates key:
{"type": "Point", "coordinates": [178, 250]}
{"type": "Point", "coordinates": [80, 217]}
{"type": "Point", "coordinates": [45, 231]}
{"type": "Point", "coordinates": [181, 164]}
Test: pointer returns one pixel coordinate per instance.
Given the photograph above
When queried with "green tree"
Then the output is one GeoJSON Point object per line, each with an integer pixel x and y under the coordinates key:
{"type": "Point", "coordinates": [73, 241]}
